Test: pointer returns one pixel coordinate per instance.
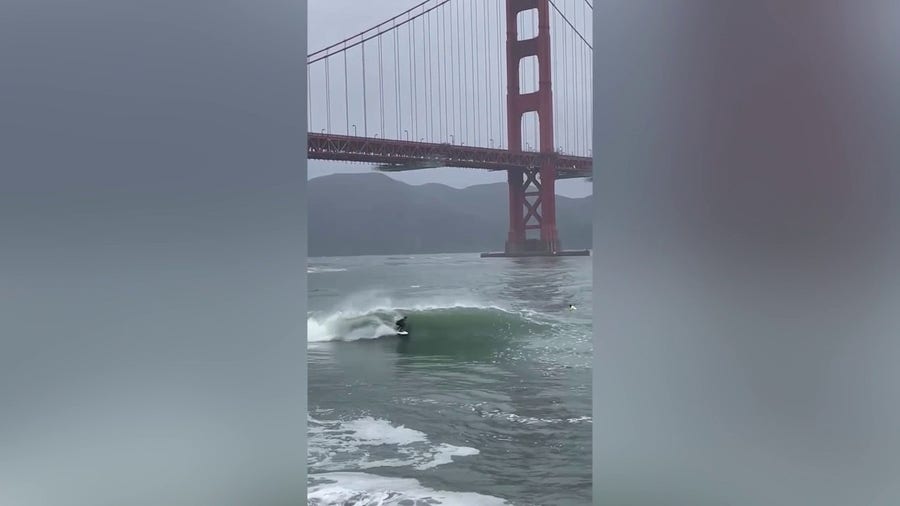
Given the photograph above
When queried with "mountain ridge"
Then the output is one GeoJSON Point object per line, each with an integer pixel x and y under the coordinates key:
{"type": "Point", "coordinates": [373, 214]}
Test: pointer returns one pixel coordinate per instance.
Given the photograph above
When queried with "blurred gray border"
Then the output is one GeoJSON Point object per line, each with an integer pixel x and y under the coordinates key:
{"type": "Point", "coordinates": [305, 246]}
{"type": "Point", "coordinates": [595, 288]}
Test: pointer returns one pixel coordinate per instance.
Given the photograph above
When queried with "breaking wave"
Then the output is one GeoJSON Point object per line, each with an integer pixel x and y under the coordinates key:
{"type": "Point", "coordinates": [423, 320]}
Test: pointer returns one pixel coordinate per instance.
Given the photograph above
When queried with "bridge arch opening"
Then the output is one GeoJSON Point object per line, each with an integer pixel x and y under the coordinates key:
{"type": "Point", "coordinates": [528, 74]}
{"type": "Point", "coordinates": [531, 128]}
{"type": "Point", "coordinates": [527, 24]}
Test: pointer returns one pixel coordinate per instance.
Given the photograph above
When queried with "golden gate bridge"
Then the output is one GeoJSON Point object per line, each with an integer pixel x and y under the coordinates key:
{"type": "Point", "coordinates": [498, 85]}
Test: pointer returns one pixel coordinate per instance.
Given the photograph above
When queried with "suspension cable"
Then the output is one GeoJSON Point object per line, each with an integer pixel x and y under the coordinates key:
{"type": "Point", "coordinates": [328, 51]}
{"type": "Point", "coordinates": [571, 25]}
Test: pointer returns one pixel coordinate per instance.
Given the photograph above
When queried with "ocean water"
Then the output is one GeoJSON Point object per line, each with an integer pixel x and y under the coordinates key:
{"type": "Point", "coordinates": [488, 400]}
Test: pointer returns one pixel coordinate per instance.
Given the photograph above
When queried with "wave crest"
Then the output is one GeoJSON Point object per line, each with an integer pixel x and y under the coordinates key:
{"type": "Point", "coordinates": [424, 321]}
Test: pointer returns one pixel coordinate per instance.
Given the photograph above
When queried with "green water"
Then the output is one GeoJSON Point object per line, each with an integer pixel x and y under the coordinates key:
{"type": "Point", "coordinates": [486, 402]}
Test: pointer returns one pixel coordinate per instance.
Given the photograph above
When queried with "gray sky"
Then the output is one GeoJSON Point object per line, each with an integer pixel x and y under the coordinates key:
{"type": "Point", "coordinates": [332, 21]}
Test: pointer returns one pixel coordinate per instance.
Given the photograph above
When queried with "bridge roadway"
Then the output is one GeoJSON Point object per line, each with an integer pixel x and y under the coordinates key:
{"type": "Point", "coordinates": [396, 155]}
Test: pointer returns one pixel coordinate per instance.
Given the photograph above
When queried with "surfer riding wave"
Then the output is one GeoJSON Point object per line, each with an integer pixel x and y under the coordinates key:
{"type": "Point", "coordinates": [450, 322]}
{"type": "Point", "coordinates": [400, 325]}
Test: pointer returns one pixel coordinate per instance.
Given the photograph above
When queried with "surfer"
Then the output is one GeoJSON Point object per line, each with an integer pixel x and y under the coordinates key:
{"type": "Point", "coordinates": [571, 307]}
{"type": "Point", "coordinates": [401, 324]}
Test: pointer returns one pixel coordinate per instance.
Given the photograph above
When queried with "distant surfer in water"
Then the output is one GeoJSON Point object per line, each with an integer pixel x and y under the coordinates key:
{"type": "Point", "coordinates": [401, 325]}
{"type": "Point", "coordinates": [571, 307]}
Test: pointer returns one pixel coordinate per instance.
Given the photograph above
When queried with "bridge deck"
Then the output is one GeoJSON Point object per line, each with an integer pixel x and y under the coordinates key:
{"type": "Point", "coordinates": [395, 155]}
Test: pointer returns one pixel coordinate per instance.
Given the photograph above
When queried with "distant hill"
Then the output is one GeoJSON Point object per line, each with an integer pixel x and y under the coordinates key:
{"type": "Point", "coordinates": [372, 214]}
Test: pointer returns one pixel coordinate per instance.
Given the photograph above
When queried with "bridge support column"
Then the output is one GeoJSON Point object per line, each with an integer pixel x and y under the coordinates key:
{"type": "Point", "coordinates": [516, 237]}
{"type": "Point", "coordinates": [532, 196]}
{"type": "Point", "coordinates": [549, 234]}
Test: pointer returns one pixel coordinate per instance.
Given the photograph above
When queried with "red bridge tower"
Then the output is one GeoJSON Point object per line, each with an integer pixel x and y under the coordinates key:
{"type": "Point", "coordinates": [532, 192]}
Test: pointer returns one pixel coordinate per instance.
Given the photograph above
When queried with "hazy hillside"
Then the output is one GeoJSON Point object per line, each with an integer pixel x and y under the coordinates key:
{"type": "Point", "coordinates": [372, 214]}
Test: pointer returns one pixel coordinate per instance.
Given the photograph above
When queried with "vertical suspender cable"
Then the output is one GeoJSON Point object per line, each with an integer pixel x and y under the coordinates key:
{"type": "Point", "coordinates": [489, 116]}
{"type": "Point", "coordinates": [500, 80]}
{"type": "Point", "coordinates": [536, 82]}
{"type": "Point", "coordinates": [396, 79]}
{"type": "Point", "coordinates": [566, 90]}
{"type": "Point", "coordinates": [489, 76]}
{"type": "Point", "coordinates": [574, 95]}
{"type": "Point", "coordinates": [475, 75]}
{"type": "Point", "coordinates": [327, 96]}
{"type": "Point", "coordinates": [426, 85]}
{"type": "Point", "coordinates": [554, 41]}
{"type": "Point", "coordinates": [438, 101]}
{"type": "Point", "coordinates": [431, 94]}
{"type": "Point", "coordinates": [576, 115]}
{"type": "Point", "coordinates": [463, 90]}
{"type": "Point", "coordinates": [442, 71]}
{"type": "Point", "coordinates": [365, 109]}
{"type": "Point", "coordinates": [455, 72]}
{"type": "Point", "coordinates": [346, 93]}
{"type": "Point", "coordinates": [327, 99]}
{"type": "Point", "coordinates": [309, 100]}
{"type": "Point", "coordinates": [475, 100]}
{"type": "Point", "coordinates": [381, 85]}
{"type": "Point", "coordinates": [486, 76]}
{"type": "Point", "coordinates": [414, 78]}
{"type": "Point", "coordinates": [589, 91]}
{"type": "Point", "coordinates": [435, 83]}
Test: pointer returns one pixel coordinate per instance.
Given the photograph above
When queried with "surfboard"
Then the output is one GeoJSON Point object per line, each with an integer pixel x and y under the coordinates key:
{"type": "Point", "coordinates": [402, 333]}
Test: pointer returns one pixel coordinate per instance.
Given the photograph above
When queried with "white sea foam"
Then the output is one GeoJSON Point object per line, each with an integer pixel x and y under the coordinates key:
{"type": "Point", "coordinates": [527, 420]}
{"type": "Point", "coordinates": [346, 327]}
{"type": "Point", "coordinates": [363, 489]}
{"type": "Point", "coordinates": [317, 270]}
{"type": "Point", "coordinates": [367, 443]}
